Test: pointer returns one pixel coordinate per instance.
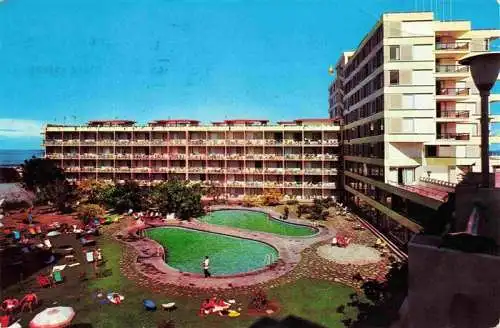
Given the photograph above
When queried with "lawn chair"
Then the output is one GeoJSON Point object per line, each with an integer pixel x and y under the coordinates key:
{"type": "Point", "coordinates": [44, 281]}
{"type": "Point", "coordinates": [58, 277]}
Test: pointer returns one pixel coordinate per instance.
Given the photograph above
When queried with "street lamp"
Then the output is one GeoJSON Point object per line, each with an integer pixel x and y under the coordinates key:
{"type": "Point", "coordinates": [484, 69]}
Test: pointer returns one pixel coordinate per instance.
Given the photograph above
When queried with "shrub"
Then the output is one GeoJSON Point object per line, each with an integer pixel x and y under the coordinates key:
{"type": "Point", "coordinates": [88, 212]}
{"type": "Point", "coordinates": [252, 201]}
{"type": "Point", "coordinates": [258, 301]}
{"type": "Point", "coordinates": [286, 212]}
{"type": "Point", "coordinates": [272, 198]}
{"type": "Point", "coordinates": [303, 209]}
{"type": "Point", "coordinates": [292, 202]}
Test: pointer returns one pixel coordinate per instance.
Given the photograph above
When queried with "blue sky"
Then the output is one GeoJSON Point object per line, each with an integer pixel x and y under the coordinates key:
{"type": "Point", "coordinates": [71, 61]}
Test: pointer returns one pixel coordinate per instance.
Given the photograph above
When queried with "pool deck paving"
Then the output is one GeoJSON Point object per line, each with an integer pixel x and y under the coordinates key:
{"type": "Point", "coordinates": [151, 264]}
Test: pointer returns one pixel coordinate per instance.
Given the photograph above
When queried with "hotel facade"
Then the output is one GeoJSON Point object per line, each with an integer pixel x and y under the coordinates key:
{"type": "Point", "coordinates": [410, 118]}
{"type": "Point", "coordinates": [240, 157]}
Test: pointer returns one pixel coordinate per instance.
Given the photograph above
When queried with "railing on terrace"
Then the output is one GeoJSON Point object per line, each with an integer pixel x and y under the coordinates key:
{"type": "Point", "coordinates": [438, 182]}
{"type": "Point", "coordinates": [453, 114]}
{"type": "Point", "coordinates": [451, 68]}
{"type": "Point", "coordinates": [453, 91]}
{"type": "Point", "coordinates": [454, 136]}
{"type": "Point", "coordinates": [452, 45]}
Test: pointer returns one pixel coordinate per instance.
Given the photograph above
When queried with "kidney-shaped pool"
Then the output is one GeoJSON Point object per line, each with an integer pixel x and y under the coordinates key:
{"type": "Point", "coordinates": [229, 255]}
{"type": "Point", "coordinates": [257, 221]}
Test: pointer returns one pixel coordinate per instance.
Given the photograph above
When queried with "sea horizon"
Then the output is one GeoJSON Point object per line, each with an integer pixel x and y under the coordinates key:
{"type": "Point", "coordinates": [15, 157]}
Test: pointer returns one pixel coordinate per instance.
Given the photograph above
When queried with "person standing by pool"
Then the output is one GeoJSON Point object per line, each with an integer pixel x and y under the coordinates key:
{"type": "Point", "coordinates": [30, 215]}
{"type": "Point", "coordinates": [206, 266]}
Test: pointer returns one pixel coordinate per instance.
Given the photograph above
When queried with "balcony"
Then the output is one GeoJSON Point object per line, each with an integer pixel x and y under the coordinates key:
{"type": "Point", "coordinates": [106, 142]}
{"type": "Point", "coordinates": [123, 169]}
{"type": "Point", "coordinates": [236, 142]}
{"type": "Point", "coordinates": [88, 156]}
{"type": "Point", "coordinates": [158, 142]}
{"type": "Point", "coordinates": [124, 156]}
{"type": "Point", "coordinates": [159, 156]}
{"type": "Point", "coordinates": [197, 142]}
{"type": "Point", "coordinates": [177, 157]}
{"type": "Point", "coordinates": [461, 46]}
{"type": "Point", "coordinates": [197, 157]}
{"type": "Point", "coordinates": [452, 69]}
{"type": "Point", "coordinates": [106, 169]}
{"type": "Point", "coordinates": [216, 156]}
{"type": "Point", "coordinates": [54, 156]}
{"type": "Point", "coordinates": [71, 156]}
{"type": "Point", "coordinates": [72, 169]}
{"type": "Point", "coordinates": [453, 114]}
{"type": "Point", "coordinates": [215, 170]}
{"type": "Point", "coordinates": [196, 170]}
{"type": "Point", "coordinates": [141, 169]}
{"type": "Point", "coordinates": [177, 142]}
{"type": "Point", "coordinates": [453, 92]}
{"type": "Point", "coordinates": [453, 136]}
{"type": "Point", "coordinates": [141, 156]}
{"type": "Point", "coordinates": [106, 156]}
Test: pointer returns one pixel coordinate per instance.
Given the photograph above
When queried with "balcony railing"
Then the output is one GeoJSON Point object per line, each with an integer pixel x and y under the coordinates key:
{"type": "Point", "coordinates": [452, 45]}
{"type": "Point", "coordinates": [453, 91]}
{"type": "Point", "coordinates": [453, 114]}
{"type": "Point", "coordinates": [453, 136]}
{"type": "Point", "coordinates": [452, 69]}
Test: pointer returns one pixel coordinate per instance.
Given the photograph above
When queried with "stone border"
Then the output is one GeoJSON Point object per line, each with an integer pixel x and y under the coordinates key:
{"type": "Point", "coordinates": [154, 268]}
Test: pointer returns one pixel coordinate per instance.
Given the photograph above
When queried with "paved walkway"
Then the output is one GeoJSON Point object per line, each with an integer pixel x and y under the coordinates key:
{"type": "Point", "coordinates": [151, 264]}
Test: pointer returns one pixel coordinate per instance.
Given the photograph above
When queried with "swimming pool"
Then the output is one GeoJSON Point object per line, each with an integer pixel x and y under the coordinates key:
{"type": "Point", "coordinates": [256, 221]}
{"type": "Point", "coordinates": [187, 249]}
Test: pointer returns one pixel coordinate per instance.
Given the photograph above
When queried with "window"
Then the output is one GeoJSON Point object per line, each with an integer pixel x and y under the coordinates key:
{"type": "Point", "coordinates": [408, 125]}
{"type": "Point", "coordinates": [394, 53]}
{"type": "Point", "coordinates": [393, 77]}
{"type": "Point", "coordinates": [430, 151]}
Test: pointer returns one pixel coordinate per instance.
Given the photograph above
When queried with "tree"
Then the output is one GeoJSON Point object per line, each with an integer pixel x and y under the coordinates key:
{"type": "Point", "coordinates": [60, 193]}
{"type": "Point", "coordinates": [179, 197]}
{"type": "Point", "coordinates": [88, 212]}
{"type": "Point", "coordinates": [318, 211]}
{"type": "Point", "coordinates": [383, 299]}
{"type": "Point", "coordinates": [37, 173]}
{"type": "Point", "coordinates": [213, 192]}
{"type": "Point", "coordinates": [93, 191]}
{"type": "Point", "coordinates": [125, 196]}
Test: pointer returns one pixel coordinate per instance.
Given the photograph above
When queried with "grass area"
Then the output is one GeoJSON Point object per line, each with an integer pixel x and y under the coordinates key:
{"type": "Point", "coordinates": [256, 221]}
{"type": "Point", "coordinates": [187, 249]}
{"type": "Point", "coordinates": [311, 299]}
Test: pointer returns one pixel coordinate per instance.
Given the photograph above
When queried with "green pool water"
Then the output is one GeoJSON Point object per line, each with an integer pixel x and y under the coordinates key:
{"type": "Point", "coordinates": [256, 221]}
{"type": "Point", "coordinates": [187, 249]}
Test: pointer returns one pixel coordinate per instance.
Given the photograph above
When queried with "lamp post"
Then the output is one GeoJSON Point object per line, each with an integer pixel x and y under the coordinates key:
{"type": "Point", "coordinates": [484, 68]}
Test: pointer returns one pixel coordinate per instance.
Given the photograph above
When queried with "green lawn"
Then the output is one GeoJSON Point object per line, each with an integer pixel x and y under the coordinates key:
{"type": "Point", "coordinates": [256, 221]}
{"type": "Point", "coordinates": [311, 299]}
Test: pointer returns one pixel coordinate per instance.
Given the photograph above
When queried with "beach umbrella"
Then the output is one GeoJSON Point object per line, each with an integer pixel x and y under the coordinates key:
{"type": "Point", "coordinates": [55, 317]}
{"type": "Point", "coordinates": [53, 234]}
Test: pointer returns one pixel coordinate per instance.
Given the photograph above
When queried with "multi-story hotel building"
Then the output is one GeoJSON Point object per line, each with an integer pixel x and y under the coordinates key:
{"type": "Point", "coordinates": [410, 117]}
{"type": "Point", "coordinates": [241, 157]}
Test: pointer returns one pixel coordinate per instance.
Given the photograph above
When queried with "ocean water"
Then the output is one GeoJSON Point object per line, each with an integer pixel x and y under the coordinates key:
{"type": "Point", "coordinates": [12, 157]}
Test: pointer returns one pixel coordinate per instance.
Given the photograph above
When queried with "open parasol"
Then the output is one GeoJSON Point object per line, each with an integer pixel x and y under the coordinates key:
{"type": "Point", "coordinates": [55, 317]}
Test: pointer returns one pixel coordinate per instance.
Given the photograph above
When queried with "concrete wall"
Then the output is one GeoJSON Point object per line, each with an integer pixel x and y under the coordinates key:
{"type": "Point", "coordinates": [451, 289]}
